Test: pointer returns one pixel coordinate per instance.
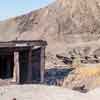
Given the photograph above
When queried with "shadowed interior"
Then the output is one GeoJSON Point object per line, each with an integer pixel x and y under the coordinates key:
{"type": "Point", "coordinates": [6, 65]}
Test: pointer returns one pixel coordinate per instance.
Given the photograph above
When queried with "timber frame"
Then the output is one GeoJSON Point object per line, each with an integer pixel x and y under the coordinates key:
{"type": "Point", "coordinates": [19, 45]}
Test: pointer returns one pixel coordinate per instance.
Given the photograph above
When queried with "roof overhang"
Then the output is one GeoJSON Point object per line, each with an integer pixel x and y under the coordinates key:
{"type": "Point", "coordinates": [21, 43]}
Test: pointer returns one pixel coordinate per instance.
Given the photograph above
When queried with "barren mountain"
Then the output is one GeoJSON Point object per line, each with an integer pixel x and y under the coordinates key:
{"type": "Point", "coordinates": [69, 26]}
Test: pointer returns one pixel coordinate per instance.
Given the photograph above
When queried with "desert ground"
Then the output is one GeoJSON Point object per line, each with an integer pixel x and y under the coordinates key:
{"type": "Point", "coordinates": [69, 89]}
{"type": "Point", "coordinates": [41, 92]}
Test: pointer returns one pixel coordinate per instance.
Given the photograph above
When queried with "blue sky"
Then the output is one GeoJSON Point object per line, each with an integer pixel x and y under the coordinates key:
{"type": "Point", "coordinates": [11, 8]}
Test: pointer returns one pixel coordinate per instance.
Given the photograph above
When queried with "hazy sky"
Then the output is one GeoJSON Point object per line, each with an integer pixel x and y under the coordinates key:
{"type": "Point", "coordinates": [10, 8]}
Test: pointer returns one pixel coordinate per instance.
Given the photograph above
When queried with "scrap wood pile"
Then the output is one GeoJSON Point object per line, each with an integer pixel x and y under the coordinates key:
{"type": "Point", "coordinates": [85, 59]}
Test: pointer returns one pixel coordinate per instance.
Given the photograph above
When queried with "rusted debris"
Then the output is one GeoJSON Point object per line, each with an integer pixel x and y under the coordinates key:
{"type": "Point", "coordinates": [14, 99]}
{"type": "Point", "coordinates": [80, 89]}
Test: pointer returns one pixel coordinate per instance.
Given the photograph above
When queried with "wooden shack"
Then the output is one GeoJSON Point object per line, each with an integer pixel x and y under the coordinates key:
{"type": "Point", "coordinates": [22, 61]}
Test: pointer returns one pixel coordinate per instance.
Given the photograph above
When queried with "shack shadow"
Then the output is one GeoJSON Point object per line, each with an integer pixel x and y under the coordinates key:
{"type": "Point", "coordinates": [55, 75]}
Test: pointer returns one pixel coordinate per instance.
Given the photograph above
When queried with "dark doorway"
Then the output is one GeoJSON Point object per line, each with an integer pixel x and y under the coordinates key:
{"type": "Point", "coordinates": [24, 65]}
{"type": "Point", "coordinates": [6, 65]}
{"type": "Point", "coordinates": [36, 68]}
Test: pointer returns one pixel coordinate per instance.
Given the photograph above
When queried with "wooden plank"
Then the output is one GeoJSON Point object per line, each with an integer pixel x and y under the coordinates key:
{"type": "Point", "coordinates": [31, 42]}
{"type": "Point", "coordinates": [22, 43]}
{"type": "Point", "coordinates": [16, 74]}
{"type": "Point", "coordinates": [42, 64]}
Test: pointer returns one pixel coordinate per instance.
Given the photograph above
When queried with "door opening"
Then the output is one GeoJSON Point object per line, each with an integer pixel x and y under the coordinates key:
{"type": "Point", "coordinates": [6, 66]}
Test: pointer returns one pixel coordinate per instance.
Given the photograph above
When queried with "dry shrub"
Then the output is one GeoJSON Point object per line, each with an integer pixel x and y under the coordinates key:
{"type": "Point", "coordinates": [88, 71]}
{"type": "Point", "coordinates": [87, 75]}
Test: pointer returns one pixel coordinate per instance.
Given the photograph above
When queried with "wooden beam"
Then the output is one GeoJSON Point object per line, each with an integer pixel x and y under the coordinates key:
{"type": "Point", "coordinates": [22, 43]}
{"type": "Point", "coordinates": [42, 64]}
{"type": "Point", "coordinates": [16, 73]}
{"type": "Point", "coordinates": [29, 79]}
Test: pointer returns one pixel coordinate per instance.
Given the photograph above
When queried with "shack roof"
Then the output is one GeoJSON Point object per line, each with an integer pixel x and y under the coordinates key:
{"type": "Point", "coordinates": [22, 43]}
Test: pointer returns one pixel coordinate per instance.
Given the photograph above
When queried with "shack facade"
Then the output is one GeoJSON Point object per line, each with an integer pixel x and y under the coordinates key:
{"type": "Point", "coordinates": [22, 61]}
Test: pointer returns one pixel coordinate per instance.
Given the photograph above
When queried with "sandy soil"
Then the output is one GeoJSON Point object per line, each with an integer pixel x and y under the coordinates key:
{"type": "Point", "coordinates": [37, 92]}
{"type": "Point", "coordinates": [41, 92]}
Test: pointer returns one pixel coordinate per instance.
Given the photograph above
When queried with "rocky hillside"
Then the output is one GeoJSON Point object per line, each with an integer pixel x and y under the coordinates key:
{"type": "Point", "coordinates": [69, 26]}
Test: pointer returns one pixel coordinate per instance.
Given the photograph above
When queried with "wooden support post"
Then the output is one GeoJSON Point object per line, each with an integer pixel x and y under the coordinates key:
{"type": "Point", "coordinates": [29, 79]}
{"type": "Point", "coordinates": [16, 72]}
{"type": "Point", "coordinates": [42, 64]}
